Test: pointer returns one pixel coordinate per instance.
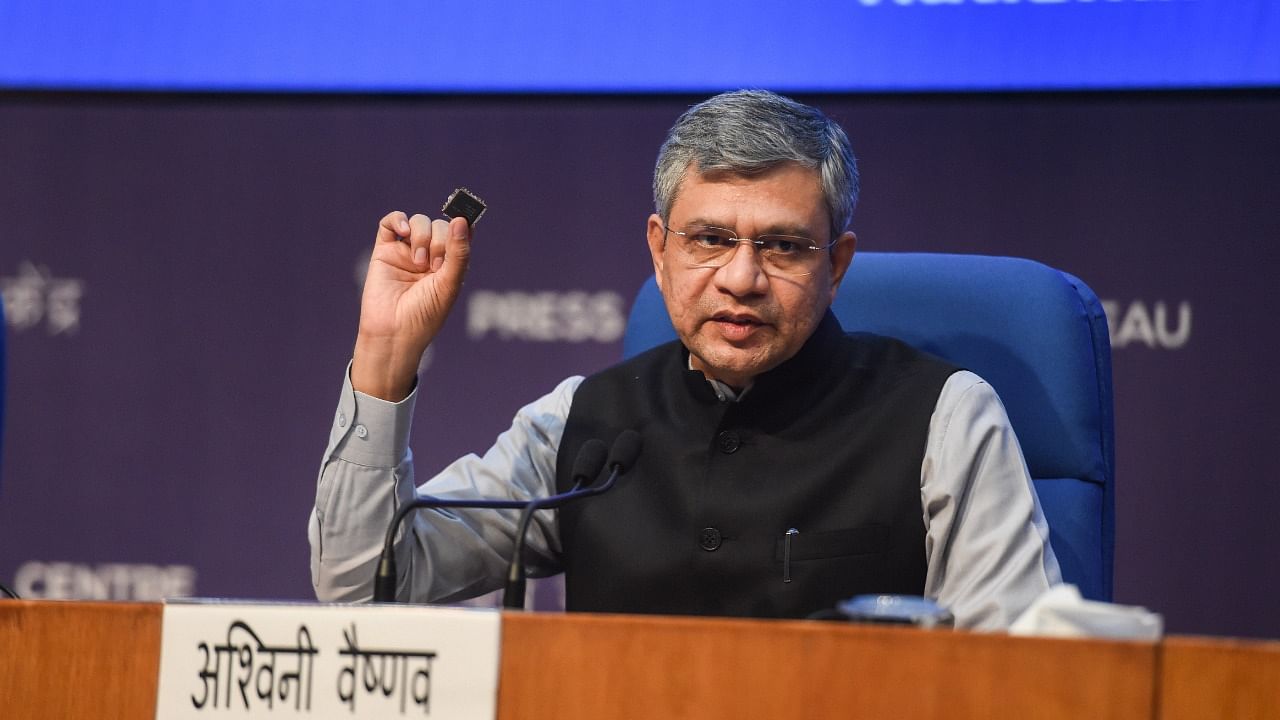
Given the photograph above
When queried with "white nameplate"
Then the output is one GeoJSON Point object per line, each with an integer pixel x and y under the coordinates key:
{"type": "Point", "coordinates": [248, 660]}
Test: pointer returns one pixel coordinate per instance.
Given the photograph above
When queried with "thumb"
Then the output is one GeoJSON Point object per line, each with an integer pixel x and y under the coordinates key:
{"type": "Point", "coordinates": [457, 252]}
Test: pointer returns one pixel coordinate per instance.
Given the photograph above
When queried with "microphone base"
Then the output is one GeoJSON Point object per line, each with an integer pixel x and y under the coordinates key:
{"type": "Point", "coordinates": [384, 583]}
{"type": "Point", "coordinates": [513, 595]}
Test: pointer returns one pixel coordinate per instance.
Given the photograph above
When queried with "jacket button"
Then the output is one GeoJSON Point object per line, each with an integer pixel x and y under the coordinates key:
{"type": "Point", "coordinates": [729, 442]}
{"type": "Point", "coordinates": [709, 539]}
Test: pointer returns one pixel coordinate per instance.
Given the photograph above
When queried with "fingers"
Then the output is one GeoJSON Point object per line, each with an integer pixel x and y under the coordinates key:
{"type": "Point", "coordinates": [434, 241]}
{"type": "Point", "coordinates": [439, 240]}
{"type": "Point", "coordinates": [430, 242]}
{"type": "Point", "coordinates": [419, 241]}
{"type": "Point", "coordinates": [392, 227]}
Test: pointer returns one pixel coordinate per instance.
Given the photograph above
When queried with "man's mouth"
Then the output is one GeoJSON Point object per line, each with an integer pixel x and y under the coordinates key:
{"type": "Point", "coordinates": [738, 319]}
{"type": "Point", "coordinates": [736, 326]}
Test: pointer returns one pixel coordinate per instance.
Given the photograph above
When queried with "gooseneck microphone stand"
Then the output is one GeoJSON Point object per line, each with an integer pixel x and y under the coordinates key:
{"type": "Point", "coordinates": [385, 580]}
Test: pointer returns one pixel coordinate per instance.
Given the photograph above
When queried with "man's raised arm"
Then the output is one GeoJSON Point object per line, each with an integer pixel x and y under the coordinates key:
{"type": "Point", "coordinates": [415, 275]}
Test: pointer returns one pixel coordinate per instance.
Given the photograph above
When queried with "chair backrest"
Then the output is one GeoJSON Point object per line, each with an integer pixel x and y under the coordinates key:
{"type": "Point", "coordinates": [1037, 334]}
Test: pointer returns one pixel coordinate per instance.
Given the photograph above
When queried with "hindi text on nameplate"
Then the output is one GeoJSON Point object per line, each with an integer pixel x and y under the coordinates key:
{"type": "Point", "coordinates": [264, 660]}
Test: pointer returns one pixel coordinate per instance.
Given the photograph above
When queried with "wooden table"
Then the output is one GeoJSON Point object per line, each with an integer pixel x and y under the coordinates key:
{"type": "Point", "coordinates": [100, 660]}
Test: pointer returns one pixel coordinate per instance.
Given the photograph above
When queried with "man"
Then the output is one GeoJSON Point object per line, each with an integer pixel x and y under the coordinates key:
{"type": "Point", "coordinates": [786, 465]}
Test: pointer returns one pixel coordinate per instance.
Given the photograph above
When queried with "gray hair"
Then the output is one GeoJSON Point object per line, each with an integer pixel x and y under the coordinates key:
{"type": "Point", "coordinates": [752, 131]}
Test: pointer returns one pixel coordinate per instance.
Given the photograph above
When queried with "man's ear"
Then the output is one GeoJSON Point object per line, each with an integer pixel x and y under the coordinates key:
{"type": "Point", "coordinates": [657, 242]}
{"type": "Point", "coordinates": [841, 255]}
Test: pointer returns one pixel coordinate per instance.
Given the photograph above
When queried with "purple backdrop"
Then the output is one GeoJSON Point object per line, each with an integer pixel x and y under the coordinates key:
{"type": "Point", "coordinates": [180, 277]}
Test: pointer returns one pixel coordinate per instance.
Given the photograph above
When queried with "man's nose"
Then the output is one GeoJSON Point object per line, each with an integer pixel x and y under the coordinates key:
{"type": "Point", "coordinates": [743, 275]}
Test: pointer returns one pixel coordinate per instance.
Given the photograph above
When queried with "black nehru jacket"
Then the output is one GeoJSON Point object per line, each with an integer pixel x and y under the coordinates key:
{"type": "Point", "coordinates": [829, 444]}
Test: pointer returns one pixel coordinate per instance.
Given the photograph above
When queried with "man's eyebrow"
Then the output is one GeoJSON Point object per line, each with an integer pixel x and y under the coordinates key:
{"type": "Point", "coordinates": [707, 223]}
{"type": "Point", "coordinates": [796, 230]}
{"type": "Point", "coordinates": [779, 229]}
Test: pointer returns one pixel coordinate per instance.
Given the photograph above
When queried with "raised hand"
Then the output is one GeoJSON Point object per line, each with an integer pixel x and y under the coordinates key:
{"type": "Point", "coordinates": [415, 275]}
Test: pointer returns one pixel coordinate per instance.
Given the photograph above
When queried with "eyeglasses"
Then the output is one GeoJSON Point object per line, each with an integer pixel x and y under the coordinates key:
{"type": "Point", "coordinates": [708, 246]}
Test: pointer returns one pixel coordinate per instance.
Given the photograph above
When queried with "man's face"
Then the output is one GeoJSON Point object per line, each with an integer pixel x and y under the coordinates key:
{"type": "Point", "coordinates": [737, 320]}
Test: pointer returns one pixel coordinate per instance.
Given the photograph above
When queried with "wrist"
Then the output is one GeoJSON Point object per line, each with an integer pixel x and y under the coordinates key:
{"type": "Point", "coordinates": [384, 369]}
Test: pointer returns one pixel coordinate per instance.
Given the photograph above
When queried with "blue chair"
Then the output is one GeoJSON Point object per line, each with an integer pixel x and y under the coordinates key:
{"type": "Point", "coordinates": [1038, 335]}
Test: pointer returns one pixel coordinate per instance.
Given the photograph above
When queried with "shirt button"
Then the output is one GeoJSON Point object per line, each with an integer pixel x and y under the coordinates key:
{"type": "Point", "coordinates": [361, 431]}
{"type": "Point", "coordinates": [342, 419]}
{"type": "Point", "coordinates": [709, 539]}
{"type": "Point", "coordinates": [729, 442]}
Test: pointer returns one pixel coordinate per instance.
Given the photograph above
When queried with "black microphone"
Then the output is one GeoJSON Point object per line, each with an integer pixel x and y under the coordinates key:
{"type": "Point", "coordinates": [586, 466]}
{"type": "Point", "coordinates": [623, 454]}
{"type": "Point", "coordinates": [384, 581]}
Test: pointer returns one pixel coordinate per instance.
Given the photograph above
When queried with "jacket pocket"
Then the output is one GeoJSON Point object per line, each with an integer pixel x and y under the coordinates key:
{"type": "Point", "coordinates": [861, 540]}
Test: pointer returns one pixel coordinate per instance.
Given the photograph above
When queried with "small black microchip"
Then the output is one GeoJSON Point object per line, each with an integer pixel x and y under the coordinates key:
{"type": "Point", "coordinates": [464, 203]}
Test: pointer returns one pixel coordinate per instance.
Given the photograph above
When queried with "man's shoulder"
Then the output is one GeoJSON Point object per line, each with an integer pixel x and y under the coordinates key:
{"type": "Point", "coordinates": [871, 350]}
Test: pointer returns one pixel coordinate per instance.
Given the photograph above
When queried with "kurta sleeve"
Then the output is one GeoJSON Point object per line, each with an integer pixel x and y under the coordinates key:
{"type": "Point", "coordinates": [442, 555]}
{"type": "Point", "coordinates": [986, 541]}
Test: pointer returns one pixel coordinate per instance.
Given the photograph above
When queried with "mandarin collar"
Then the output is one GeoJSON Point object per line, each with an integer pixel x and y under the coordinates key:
{"type": "Point", "coordinates": [808, 363]}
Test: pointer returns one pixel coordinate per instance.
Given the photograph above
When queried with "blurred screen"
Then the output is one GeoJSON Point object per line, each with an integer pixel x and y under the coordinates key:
{"type": "Point", "coordinates": [652, 46]}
